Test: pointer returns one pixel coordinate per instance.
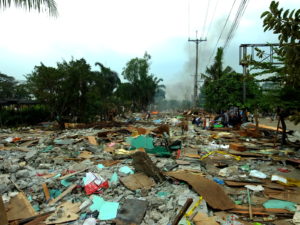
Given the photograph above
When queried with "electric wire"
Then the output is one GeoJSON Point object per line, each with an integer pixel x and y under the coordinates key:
{"type": "Point", "coordinates": [236, 22]}
{"type": "Point", "coordinates": [212, 18]}
{"type": "Point", "coordinates": [221, 33]}
{"type": "Point", "coordinates": [205, 19]}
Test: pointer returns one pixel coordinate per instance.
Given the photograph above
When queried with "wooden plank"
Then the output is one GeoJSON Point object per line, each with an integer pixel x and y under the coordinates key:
{"type": "Point", "coordinates": [46, 191]}
{"type": "Point", "coordinates": [71, 174]}
{"type": "Point", "coordinates": [67, 191]}
{"type": "Point", "coordinates": [38, 220]}
{"type": "Point", "coordinates": [286, 195]}
{"type": "Point", "coordinates": [183, 210]}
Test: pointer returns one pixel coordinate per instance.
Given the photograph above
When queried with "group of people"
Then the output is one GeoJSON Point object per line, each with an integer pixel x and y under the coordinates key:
{"type": "Point", "coordinates": [232, 117]}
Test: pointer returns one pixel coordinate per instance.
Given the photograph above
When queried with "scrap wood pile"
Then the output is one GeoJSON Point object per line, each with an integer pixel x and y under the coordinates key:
{"type": "Point", "coordinates": [155, 173]}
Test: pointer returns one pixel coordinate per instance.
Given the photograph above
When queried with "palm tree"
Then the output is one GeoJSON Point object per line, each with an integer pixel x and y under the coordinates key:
{"type": "Point", "coordinates": [48, 6]}
{"type": "Point", "coordinates": [215, 71]}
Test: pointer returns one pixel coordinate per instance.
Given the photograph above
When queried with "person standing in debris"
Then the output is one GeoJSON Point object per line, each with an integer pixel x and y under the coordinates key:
{"type": "Point", "coordinates": [244, 116]}
{"type": "Point", "coordinates": [148, 115]}
{"type": "Point", "coordinates": [226, 118]}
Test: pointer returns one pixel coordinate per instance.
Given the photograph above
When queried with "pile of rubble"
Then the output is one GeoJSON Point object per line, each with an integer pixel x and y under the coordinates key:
{"type": "Point", "coordinates": [163, 171]}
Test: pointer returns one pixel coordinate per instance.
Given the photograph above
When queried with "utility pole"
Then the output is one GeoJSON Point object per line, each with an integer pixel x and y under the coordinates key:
{"type": "Point", "coordinates": [197, 41]}
{"type": "Point", "coordinates": [245, 65]}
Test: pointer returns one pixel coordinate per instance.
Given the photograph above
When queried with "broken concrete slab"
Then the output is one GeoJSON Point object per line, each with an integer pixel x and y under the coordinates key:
{"type": "Point", "coordinates": [132, 212]}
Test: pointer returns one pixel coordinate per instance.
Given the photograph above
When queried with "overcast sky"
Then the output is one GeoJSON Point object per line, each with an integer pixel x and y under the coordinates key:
{"type": "Point", "coordinates": [112, 32]}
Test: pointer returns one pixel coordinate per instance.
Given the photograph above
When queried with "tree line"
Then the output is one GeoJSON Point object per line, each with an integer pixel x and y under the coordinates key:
{"type": "Point", "coordinates": [73, 92]}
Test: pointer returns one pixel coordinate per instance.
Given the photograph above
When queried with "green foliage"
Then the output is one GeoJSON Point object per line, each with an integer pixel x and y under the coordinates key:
{"type": "Point", "coordinates": [224, 87]}
{"type": "Point", "coordinates": [286, 24]}
{"type": "Point", "coordinates": [72, 91]}
{"type": "Point", "coordinates": [7, 86]}
{"type": "Point", "coordinates": [27, 115]}
{"type": "Point", "coordinates": [222, 93]}
{"type": "Point", "coordinates": [11, 89]}
{"type": "Point", "coordinates": [143, 85]}
{"type": "Point", "coordinates": [216, 71]}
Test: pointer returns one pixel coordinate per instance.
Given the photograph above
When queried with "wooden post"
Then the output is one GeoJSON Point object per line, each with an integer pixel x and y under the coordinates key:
{"type": "Point", "coordinates": [187, 204]}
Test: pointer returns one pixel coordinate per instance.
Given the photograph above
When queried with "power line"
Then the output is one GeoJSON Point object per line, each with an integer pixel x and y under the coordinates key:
{"type": "Point", "coordinates": [212, 18]}
{"type": "Point", "coordinates": [221, 33]}
{"type": "Point", "coordinates": [188, 19]}
{"type": "Point", "coordinates": [239, 14]}
{"type": "Point", "coordinates": [205, 19]}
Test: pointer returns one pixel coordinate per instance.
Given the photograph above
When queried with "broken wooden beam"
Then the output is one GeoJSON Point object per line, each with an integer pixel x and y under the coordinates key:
{"type": "Point", "coordinates": [181, 213]}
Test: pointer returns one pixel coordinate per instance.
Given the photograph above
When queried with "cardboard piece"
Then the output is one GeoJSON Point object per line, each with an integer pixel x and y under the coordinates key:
{"type": "Point", "coordinates": [67, 191]}
{"type": "Point", "coordinates": [132, 212]}
{"type": "Point", "coordinates": [212, 192]}
{"type": "Point", "coordinates": [137, 181]}
{"type": "Point", "coordinates": [287, 195]}
{"type": "Point", "coordinates": [202, 218]}
{"type": "Point", "coordinates": [237, 147]}
{"type": "Point", "coordinates": [138, 131]}
{"type": "Point", "coordinates": [237, 183]}
{"type": "Point", "coordinates": [3, 216]}
{"type": "Point", "coordinates": [108, 163]}
{"type": "Point", "coordinates": [19, 208]}
{"type": "Point", "coordinates": [162, 129]}
{"type": "Point", "coordinates": [85, 155]}
{"type": "Point", "coordinates": [192, 155]}
{"type": "Point", "coordinates": [239, 209]}
{"type": "Point", "coordinates": [92, 140]}
{"type": "Point", "coordinates": [182, 162]}
{"type": "Point", "coordinates": [66, 212]}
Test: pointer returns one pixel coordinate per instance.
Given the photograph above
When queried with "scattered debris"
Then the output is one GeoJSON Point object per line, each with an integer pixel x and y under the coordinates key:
{"type": "Point", "coordinates": [144, 174]}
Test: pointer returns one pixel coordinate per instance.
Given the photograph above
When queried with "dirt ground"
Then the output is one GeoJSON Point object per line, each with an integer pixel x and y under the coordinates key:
{"type": "Point", "coordinates": [290, 125]}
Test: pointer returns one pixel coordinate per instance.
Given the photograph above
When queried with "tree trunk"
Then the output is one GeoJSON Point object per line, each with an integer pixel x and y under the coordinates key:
{"type": "Point", "coordinates": [61, 124]}
{"type": "Point", "coordinates": [283, 126]}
